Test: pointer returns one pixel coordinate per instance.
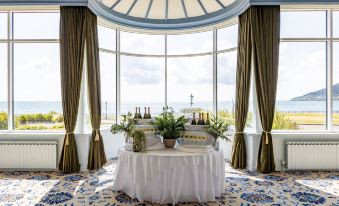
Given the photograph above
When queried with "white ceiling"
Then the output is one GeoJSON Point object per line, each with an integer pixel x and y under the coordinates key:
{"type": "Point", "coordinates": [166, 9]}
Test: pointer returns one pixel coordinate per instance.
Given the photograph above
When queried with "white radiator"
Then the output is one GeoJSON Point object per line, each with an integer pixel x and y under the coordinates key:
{"type": "Point", "coordinates": [313, 155]}
{"type": "Point", "coordinates": [23, 155]}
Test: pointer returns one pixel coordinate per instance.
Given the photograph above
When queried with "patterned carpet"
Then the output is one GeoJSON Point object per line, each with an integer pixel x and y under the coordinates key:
{"type": "Point", "coordinates": [95, 188]}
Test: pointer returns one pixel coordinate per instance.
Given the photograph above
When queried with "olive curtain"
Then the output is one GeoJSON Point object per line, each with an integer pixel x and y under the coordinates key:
{"type": "Point", "coordinates": [71, 65]}
{"type": "Point", "coordinates": [96, 157]}
{"type": "Point", "coordinates": [243, 81]}
{"type": "Point", "coordinates": [265, 23]}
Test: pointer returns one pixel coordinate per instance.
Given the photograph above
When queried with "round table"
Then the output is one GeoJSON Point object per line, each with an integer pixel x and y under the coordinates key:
{"type": "Point", "coordinates": [170, 176]}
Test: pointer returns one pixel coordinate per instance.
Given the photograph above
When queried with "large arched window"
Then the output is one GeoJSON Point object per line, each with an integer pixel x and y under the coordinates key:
{"type": "Point", "coordinates": [155, 70]}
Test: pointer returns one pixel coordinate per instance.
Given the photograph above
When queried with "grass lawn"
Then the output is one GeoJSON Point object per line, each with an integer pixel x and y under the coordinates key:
{"type": "Point", "coordinates": [311, 118]}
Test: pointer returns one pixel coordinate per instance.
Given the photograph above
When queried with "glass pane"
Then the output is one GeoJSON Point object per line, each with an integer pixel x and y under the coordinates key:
{"type": "Point", "coordinates": [142, 43]}
{"type": "Point", "coordinates": [190, 43]}
{"type": "Point", "coordinates": [3, 25]}
{"type": "Point", "coordinates": [227, 63]}
{"type": "Point", "coordinates": [37, 90]}
{"type": "Point", "coordinates": [190, 76]}
{"type": "Point", "coordinates": [301, 100]}
{"type": "Point", "coordinates": [303, 24]}
{"type": "Point", "coordinates": [142, 84]}
{"type": "Point", "coordinates": [36, 25]}
{"type": "Point", "coordinates": [227, 37]}
{"type": "Point", "coordinates": [107, 38]}
{"type": "Point", "coordinates": [335, 88]}
{"type": "Point", "coordinates": [3, 87]}
{"type": "Point", "coordinates": [335, 24]}
{"type": "Point", "coordinates": [108, 88]}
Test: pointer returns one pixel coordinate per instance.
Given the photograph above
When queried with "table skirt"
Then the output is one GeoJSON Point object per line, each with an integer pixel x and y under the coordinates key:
{"type": "Point", "coordinates": [170, 176]}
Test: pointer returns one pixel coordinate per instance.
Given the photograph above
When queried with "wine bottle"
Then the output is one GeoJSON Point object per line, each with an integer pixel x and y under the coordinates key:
{"type": "Point", "coordinates": [199, 120]}
{"type": "Point", "coordinates": [203, 119]}
{"type": "Point", "coordinates": [145, 114]}
{"type": "Point", "coordinates": [208, 119]}
{"type": "Point", "coordinates": [149, 113]}
{"type": "Point", "coordinates": [193, 120]}
{"type": "Point", "coordinates": [136, 113]}
{"type": "Point", "coordinates": [139, 114]}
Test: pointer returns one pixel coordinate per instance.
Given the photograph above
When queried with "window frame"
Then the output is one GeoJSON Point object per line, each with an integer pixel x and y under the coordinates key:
{"type": "Point", "coordinates": [166, 56]}
{"type": "Point", "coordinates": [328, 40]}
{"type": "Point", "coordinates": [10, 41]}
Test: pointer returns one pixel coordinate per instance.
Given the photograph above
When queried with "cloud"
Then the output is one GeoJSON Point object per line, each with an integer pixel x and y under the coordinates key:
{"type": "Point", "coordinates": [140, 70]}
{"type": "Point", "coordinates": [302, 69]}
{"type": "Point", "coordinates": [190, 70]}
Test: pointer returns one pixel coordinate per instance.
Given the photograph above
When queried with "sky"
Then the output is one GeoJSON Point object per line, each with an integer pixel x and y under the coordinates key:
{"type": "Point", "coordinates": [37, 76]}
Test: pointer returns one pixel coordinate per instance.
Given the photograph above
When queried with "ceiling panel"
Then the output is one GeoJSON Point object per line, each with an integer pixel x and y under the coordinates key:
{"type": "Point", "coordinates": [158, 10]}
{"type": "Point", "coordinates": [193, 8]}
{"type": "Point", "coordinates": [140, 8]}
{"type": "Point", "coordinates": [175, 9]}
{"type": "Point", "coordinates": [123, 6]}
{"type": "Point", "coordinates": [211, 5]}
{"type": "Point", "coordinates": [226, 2]}
{"type": "Point", "coordinates": [109, 3]}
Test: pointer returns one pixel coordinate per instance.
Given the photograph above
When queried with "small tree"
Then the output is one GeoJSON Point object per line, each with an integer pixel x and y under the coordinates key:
{"type": "Point", "coordinates": [282, 121]}
{"type": "Point", "coordinates": [3, 120]}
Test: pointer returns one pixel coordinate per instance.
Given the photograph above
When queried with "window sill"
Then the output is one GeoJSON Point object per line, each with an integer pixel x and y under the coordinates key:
{"type": "Point", "coordinates": [295, 132]}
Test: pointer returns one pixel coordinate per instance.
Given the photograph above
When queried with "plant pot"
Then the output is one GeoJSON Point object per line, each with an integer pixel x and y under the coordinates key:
{"type": "Point", "coordinates": [216, 146]}
{"type": "Point", "coordinates": [169, 143]}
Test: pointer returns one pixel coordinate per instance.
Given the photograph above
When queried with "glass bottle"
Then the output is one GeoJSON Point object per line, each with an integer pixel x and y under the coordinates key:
{"type": "Point", "coordinates": [139, 114]}
{"type": "Point", "coordinates": [199, 120]}
{"type": "Point", "coordinates": [193, 120]}
{"type": "Point", "coordinates": [136, 113]}
{"type": "Point", "coordinates": [145, 113]}
{"type": "Point", "coordinates": [149, 113]}
{"type": "Point", "coordinates": [208, 119]}
{"type": "Point", "coordinates": [203, 119]}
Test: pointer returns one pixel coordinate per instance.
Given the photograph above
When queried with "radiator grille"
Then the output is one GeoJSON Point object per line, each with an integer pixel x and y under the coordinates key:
{"type": "Point", "coordinates": [19, 155]}
{"type": "Point", "coordinates": [313, 155]}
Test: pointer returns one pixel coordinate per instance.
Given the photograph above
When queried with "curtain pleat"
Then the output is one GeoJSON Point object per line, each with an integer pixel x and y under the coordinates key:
{"type": "Point", "coordinates": [265, 23]}
{"type": "Point", "coordinates": [71, 66]}
{"type": "Point", "coordinates": [243, 81]}
{"type": "Point", "coordinates": [96, 157]}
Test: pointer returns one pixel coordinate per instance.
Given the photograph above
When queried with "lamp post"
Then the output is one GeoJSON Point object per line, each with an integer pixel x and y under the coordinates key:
{"type": "Point", "coordinates": [191, 97]}
{"type": "Point", "coordinates": [106, 109]}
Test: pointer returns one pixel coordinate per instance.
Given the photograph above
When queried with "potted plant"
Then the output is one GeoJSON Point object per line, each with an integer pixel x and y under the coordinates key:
{"type": "Point", "coordinates": [217, 129]}
{"type": "Point", "coordinates": [139, 140]}
{"type": "Point", "coordinates": [126, 126]}
{"type": "Point", "coordinates": [169, 126]}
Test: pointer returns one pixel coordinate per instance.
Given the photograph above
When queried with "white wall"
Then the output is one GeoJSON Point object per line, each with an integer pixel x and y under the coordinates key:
{"type": "Point", "coordinates": [279, 145]}
{"type": "Point", "coordinates": [114, 142]}
{"type": "Point", "coordinates": [81, 139]}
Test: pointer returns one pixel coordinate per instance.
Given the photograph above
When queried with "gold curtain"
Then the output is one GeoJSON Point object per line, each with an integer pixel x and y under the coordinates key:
{"type": "Point", "coordinates": [243, 81]}
{"type": "Point", "coordinates": [71, 65]}
{"type": "Point", "coordinates": [265, 23]}
{"type": "Point", "coordinates": [96, 157]}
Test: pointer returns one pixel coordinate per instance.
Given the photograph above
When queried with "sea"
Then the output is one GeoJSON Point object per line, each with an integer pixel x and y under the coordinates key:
{"type": "Point", "coordinates": [23, 107]}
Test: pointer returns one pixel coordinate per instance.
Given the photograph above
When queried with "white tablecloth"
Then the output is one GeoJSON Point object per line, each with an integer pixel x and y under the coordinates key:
{"type": "Point", "coordinates": [170, 176]}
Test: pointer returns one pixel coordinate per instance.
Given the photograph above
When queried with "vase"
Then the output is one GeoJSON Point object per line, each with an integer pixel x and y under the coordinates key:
{"type": "Point", "coordinates": [169, 143]}
{"type": "Point", "coordinates": [216, 145]}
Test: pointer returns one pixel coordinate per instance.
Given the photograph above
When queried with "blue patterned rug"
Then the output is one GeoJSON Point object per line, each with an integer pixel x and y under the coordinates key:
{"type": "Point", "coordinates": [242, 187]}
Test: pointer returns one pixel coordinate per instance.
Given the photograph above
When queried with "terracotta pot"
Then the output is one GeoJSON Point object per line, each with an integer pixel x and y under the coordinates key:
{"type": "Point", "coordinates": [169, 143]}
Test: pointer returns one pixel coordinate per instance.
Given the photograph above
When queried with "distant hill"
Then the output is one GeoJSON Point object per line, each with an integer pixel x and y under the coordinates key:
{"type": "Point", "coordinates": [319, 95]}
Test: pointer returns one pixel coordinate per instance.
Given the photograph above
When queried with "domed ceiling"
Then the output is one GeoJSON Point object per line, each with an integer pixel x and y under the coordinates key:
{"type": "Point", "coordinates": [167, 14]}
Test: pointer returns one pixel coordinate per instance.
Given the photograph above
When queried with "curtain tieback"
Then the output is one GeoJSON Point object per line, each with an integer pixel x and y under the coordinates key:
{"type": "Point", "coordinates": [266, 142]}
{"type": "Point", "coordinates": [67, 138]}
{"type": "Point", "coordinates": [97, 136]}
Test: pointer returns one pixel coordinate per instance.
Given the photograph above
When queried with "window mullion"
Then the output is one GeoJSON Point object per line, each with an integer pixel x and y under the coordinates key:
{"type": "Point", "coordinates": [10, 60]}
{"type": "Point", "coordinates": [329, 70]}
{"type": "Point", "coordinates": [215, 75]}
{"type": "Point", "coordinates": [118, 89]}
{"type": "Point", "coordinates": [166, 98]}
